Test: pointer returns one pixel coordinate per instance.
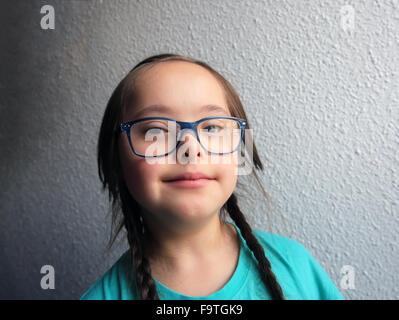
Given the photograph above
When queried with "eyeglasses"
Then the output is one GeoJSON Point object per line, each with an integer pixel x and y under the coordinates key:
{"type": "Point", "coordinates": [158, 136]}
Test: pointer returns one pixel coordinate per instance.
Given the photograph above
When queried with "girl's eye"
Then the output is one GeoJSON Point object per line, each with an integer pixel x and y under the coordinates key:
{"type": "Point", "coordinates": [152, 127]}
{"type": "Point", "coordinates": [212, 128]}
{"type": "Point", "coordinates": [155, 130]}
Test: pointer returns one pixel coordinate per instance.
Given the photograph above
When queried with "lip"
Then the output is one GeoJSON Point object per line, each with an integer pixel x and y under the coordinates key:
{"type": "Point", "coordinates": [189, 180]}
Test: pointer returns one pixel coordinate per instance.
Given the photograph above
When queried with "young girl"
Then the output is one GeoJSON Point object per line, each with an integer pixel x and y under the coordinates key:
{"type": "Point", "coordinates": [177, 109]}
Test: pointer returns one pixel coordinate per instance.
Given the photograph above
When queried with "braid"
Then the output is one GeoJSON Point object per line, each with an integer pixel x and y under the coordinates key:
{"type": "Point", "coordinates": [264, 266]}
{"type": "Point", "coordinates": [146, 288]}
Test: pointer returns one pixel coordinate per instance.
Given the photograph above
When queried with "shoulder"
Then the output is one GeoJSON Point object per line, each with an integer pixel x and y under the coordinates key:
{"type": "Point", "coordinates": [283, 251]}
{"type": "Point", "coordinates": [297, 267]}
{"type": "Point", "coordinates": [281, 245]}
{"type": "Point", "coordinates": [113, 284]}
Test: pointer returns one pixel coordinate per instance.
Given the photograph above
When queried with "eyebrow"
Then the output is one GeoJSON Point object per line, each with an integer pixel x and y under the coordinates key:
{"type": "Point", "coordinates": [160, 108]}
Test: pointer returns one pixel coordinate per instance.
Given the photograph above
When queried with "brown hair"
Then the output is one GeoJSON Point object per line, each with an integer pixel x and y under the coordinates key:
{"type": "Point", "coordinates": [110, 173]}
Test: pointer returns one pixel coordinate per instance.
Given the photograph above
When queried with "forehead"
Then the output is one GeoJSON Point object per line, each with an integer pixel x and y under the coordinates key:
{"type": "Point", "coordinates": [182, 86]}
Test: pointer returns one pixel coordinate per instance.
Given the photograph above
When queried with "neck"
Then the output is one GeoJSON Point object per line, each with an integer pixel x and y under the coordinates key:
{"type": "Point", "coordinates": [177, 248]}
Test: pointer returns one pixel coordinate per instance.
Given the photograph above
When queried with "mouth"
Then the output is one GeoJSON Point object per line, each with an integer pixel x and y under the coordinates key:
{"type": "Point", "coordinates": [189, 180]}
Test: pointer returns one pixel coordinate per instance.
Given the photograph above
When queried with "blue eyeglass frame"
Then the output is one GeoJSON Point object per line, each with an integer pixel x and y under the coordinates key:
{"type": "Point", "coordinates": [125, 126]}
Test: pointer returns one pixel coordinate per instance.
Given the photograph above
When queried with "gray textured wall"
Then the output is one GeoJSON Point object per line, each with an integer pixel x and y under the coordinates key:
{"type": "Point", "coordinates": [322, 98]}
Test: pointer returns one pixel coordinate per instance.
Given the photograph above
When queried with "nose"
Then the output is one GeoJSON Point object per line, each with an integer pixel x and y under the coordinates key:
{"type": "Point", "coordinates": [189, 148]}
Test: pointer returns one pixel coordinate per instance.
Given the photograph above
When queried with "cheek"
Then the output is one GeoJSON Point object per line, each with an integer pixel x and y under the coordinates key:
{"type": "Point", "coordinates": [141, 177]}
{"type": "Point", "coordinates": [227, 172]}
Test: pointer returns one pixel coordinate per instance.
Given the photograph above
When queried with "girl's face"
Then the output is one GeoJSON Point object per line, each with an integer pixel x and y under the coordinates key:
{"type": "Point", "coordinates": [185, 88]}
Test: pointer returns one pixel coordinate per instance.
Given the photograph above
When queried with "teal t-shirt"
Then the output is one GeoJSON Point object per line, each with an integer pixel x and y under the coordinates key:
{"type": "Point", "coordinates": [300, 276]}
